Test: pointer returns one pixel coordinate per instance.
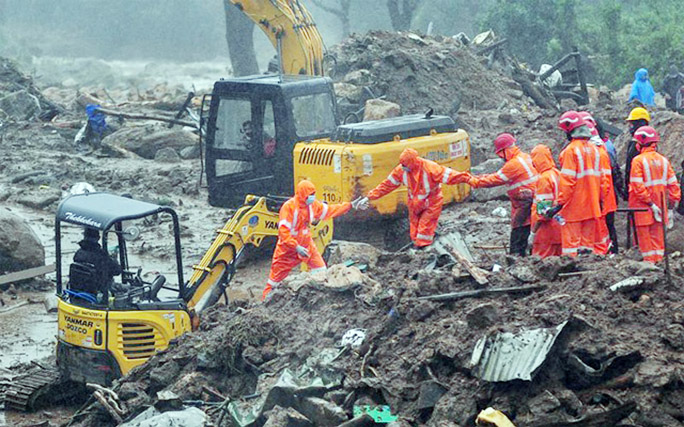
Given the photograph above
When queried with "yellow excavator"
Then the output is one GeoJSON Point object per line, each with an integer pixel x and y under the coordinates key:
{"type": "Point", "coordinates": [109, 325]}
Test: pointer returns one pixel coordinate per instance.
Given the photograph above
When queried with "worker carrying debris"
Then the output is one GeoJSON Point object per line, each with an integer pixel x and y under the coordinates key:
{"type": "Point", "coordinates": [651, 177]}
{"type": "Point", "coordinates": [545, 237]}
{"type": "Point", "coordinates": [295, 244]}
{"type": "Point", "coordinates": [637, 118]}
{"type": "Point", "coordinates": [603, 242]}
{"type": "Point", "coordinates": [519, 174]}
{"type": "Point", "coordinates": [423, 179]}
{"type": "Point", "coordinates": [579, 199]}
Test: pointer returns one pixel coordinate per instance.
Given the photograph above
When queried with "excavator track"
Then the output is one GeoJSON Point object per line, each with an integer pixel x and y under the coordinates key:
{"type": "Point", "coordinates": [28, 389]}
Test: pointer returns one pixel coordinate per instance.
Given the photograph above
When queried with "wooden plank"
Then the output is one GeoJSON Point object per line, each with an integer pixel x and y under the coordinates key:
{"type": "Point", "coordinates": [26, 274]}
{"type": "Point", "coordinates": [478, 274]}
{"type": "Point", "coordinates": [481, 293]}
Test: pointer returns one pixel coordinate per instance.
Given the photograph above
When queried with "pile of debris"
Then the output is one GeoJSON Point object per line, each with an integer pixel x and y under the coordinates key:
{"type": "Point", "coordinates": [417, 340]}
{"type": "Point", "coordinates": [19, 98]}
{"type": "Point", "coordinates": [419, 72]}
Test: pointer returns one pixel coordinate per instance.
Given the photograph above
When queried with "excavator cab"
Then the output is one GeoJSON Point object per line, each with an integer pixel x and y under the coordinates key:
{"type": "Point", "coordinates": [106, 325]}
{"type": "Point", "coordinates": [252, 127]}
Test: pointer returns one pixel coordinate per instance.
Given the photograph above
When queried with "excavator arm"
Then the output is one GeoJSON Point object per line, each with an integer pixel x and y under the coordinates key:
{"type": "Point", "coordinates": [250, 225]}
{"type": "Point", "coordinates": [292, 31]}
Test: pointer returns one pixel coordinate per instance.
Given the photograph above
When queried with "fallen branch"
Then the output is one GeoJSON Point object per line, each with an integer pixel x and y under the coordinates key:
{"type": "Point", "coordinates": [26, 274]}
{"type": "Point", "coordinates": [574, 273]}
{"type": "Point", "coordinates": [481, 293]}
{"type": "Point", "coordinates": [491, 247]}
{"type": "Point", "coordinates": [109, 400]}
{"type": "Point", "coordinates": [145, 117]}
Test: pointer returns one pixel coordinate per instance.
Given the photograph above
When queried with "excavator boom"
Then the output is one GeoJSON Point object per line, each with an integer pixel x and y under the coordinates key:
{"type": "Point", "coordinates": [292, 31]}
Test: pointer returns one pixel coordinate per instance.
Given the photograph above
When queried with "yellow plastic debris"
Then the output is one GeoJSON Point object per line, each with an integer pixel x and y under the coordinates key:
{"type": "Point", "coordinates": [491, 416]}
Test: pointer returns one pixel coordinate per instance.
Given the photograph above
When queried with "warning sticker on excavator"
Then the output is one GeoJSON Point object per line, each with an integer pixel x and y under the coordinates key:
{"type": "Point", "coordinates": [337, 163]}
{"type": "Point", "coordinates": [457, 149]}
{"type": "Point", "coordinates": [367, 164]}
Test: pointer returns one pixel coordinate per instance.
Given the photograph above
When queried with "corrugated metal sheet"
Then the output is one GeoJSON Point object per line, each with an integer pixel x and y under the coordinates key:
{"type": "Point", "coordinates": [444, 243]}
{"type": "Point", "coordinates": [507, 356]}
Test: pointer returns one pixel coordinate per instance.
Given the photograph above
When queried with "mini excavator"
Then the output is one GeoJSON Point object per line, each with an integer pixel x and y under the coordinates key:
{"type": "Point", "coordinates": [107, 327]}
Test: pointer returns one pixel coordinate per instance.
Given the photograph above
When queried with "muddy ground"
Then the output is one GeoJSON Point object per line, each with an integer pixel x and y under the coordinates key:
{"type": "Point", "coordinates": [634, 340]}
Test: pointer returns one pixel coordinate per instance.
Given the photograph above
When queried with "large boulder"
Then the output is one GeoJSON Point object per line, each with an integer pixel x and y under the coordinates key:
{"type": "Point", "coordinates": [377, 109]}
{"type": "Point", "coordinates": [20, 105]}
{"type": "Point", "coordinates": [146, 140]}
{"type": "Point", "coordinates": [20, 247]}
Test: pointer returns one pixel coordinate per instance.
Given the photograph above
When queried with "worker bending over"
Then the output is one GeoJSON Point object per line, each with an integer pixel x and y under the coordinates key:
{"type": "Point", "coordinates": [519, 174]}
{"type": "Point", "coordinates": [603, 242]}
{"type": "Point", "coordinates": [423, 180]}
{"type": "Point", "coordinates": [651, 176]}
{"type": "Point", "coordinates": [295, 245]}
{"type": "Point", "coordinates": [545, 237]}
{"type": "Point", "coordinates": [579, 198]}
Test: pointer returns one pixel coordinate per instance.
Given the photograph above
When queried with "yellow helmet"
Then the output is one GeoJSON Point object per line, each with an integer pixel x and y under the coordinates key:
{"type": "Point", "coordinates": [638, 113]}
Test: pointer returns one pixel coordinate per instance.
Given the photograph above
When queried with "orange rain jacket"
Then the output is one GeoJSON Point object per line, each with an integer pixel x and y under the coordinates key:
{"type": "Point", "coordinates": [547, 241]}
{"type": "Point", "coordinates": [424, 191]}
{"type": "Point", "coordinates": [650, 177]}
{"type": "Point", "coordinates": [293, 231]}
{"type": "Point", "coordinates": [580, 189]}
{"type": "Point", "coordinates": [519, 174]}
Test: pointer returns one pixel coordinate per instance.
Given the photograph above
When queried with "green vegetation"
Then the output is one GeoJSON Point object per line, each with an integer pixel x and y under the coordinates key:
{"type": "Point", "coordinates": [619, 36]}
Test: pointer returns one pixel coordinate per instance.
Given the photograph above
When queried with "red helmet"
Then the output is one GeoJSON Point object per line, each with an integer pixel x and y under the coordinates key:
{"type": "Point", "coordinates": [570, 120]}
{"type": "Point", "coordinates": [588, 118]}
{"type": "Point", "coordinates": [646, 136]}
{"type": "Point", "coordinates": [503, 141]}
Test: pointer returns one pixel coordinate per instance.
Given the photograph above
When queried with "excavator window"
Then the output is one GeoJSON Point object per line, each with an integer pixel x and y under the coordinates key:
{"type": "Point", "coordinates": [233, 132]}
{"type": "Point", "coordinates": [314, 115]}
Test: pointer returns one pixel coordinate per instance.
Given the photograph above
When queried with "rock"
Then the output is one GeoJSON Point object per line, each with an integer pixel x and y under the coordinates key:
{"type": "Point", "coordinates": [146, 140]}
{"type": "Point", "coordinates": [20, 249]}
{"type": "Point", "coordinates": [523, 273]}
{"type": "Point", "coordinates": [40, 200]}
{"type": "Point", "coordinates": [361, 77]}
{"type": "Point", "coordinates": [190, 417]}
{"type": "Point", "coordinates": [50, 304]}
{"type": "Point", "coordinates": [348, 91]}
{"type": "Point", "coordinates": [377, 109]}
{"type": "Point", "coordinates": [167, 155]}
{"type": "Point", "coordinates": [285, 417]}
{"type": "Point", "coordinates": [168, 401]}
{"type": "Point", "coordinates": [655, 373]}
{"type": "Point", "coordinates": [361, 253]}
{"type": "Point", "coordinates": [321, 412]}
{"type": "Point", "coordinates": [20, 105]}
{"type": "Point", "coordinates": [191, 152]}
{"type": "Point", "coordinates": [543, 403]}
{"type": "Point", "coordinates": [482, 316]}
{"type": "Point", "coordinates": [165, 374]}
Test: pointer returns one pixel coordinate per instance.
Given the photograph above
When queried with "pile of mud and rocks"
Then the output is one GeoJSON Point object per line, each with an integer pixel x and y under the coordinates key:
{"type": "Point", "coordinates": [555, 342]}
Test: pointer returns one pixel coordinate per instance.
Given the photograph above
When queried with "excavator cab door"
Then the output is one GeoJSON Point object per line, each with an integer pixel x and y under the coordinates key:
{"type": "Point", "coordinates": [243, 154]}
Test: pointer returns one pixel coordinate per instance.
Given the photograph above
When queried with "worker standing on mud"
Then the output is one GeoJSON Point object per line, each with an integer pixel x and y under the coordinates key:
{"type": "Point", "coordinates": [637, 118]}
{"type": "Point", "coordinates": [423, 179]}
{"type": "Point", "coordinates": [519, 174]}
{"type": "Point", "coordinates": [652, 176]}
{"type": "Point", "coordinates": [579, 199]}
{"type": "Point", "coordinates": [603, 242]}
{"type": "Point", "coordinates": [545, 237]}
{"type": "Point", "coordinates": [295, 244]}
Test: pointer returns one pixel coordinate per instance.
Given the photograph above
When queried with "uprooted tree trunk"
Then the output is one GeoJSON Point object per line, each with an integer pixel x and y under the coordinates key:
{"type": "Point", "coordinates": [239, 35]}
{"type": "Point", "coordinates": [401, 13]}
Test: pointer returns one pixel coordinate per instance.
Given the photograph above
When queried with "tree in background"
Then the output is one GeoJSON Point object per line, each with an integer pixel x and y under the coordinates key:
{"type": "Point", "coordinates": [401, 13]}
{"type": "Point", "coordinates": [341, 12]}
{"type": "Point", "coordinates": [240, 38]}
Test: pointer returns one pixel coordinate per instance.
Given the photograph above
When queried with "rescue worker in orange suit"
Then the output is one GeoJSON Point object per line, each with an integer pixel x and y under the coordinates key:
{"type": "Point", "coordinates": [545, 237]}
{"type": "Point", "coordinates": [519, 174]}
{"type": "Point", "coordinates": [651, 178]}
{"type": "Point", "coordinates": [423, 179]}
{"type": "Point", "coordinates": [603, 241]}
{"type": "Point", "coordinates": [637, 118]}
{"type": "Point", "coordinates": [295, 245]}
{"type": "Point", "coordinates": [579, 198]}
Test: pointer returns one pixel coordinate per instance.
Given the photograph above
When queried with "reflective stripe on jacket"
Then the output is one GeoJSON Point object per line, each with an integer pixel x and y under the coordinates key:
{"type": "Point", "coordinates": [580, 189]}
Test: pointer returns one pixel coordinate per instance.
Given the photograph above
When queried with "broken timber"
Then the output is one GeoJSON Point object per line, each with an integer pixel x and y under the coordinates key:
{"type": "Point", "coordinates": [481, 293]}
{"type": "Point", "coordinates": [26, 274]}
{"type": "Point", "coordinates": [146, 117]}
{"type": "Point", "coordinates": [478, 274]}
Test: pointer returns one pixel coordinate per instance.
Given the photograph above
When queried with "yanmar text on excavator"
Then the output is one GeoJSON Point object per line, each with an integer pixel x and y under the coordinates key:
{"type": "Point", "coordinates": [107, 326]}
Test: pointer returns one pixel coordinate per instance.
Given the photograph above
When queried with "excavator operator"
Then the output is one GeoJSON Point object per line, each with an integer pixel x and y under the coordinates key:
{"type": "Point", "coordinates": [295, 244]}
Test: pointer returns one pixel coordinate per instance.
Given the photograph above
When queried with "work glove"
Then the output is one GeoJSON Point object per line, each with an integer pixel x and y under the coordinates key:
{"type": "Point", "coordinates": [550, 213]}
{"type": "Point", "coordinates": [360, 203]}
{"type": "Point", "coordinates": [670, 221]}
{"type": "Point", "coordinates": [657, 213]}
{"type": "Point", "coordinates": [302, 251]}
{"type": "Point", "coordinates": [530, 240]}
